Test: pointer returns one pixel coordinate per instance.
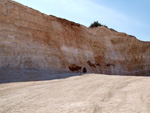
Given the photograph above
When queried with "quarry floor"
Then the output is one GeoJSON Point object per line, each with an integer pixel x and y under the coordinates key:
{"type": "Point", "coordinates": [86, 93]}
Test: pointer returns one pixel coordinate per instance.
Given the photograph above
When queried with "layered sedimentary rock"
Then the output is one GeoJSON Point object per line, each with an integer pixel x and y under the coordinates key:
{"type": "Point", "coordinates": [32, 40]}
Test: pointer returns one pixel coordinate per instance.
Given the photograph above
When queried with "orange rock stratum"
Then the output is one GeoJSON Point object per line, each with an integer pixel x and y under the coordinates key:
{"type": "Point", "coordinates": [35, 41]}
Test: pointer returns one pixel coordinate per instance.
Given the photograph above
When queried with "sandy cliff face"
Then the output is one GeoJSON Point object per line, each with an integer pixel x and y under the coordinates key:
{"type": "Point", "coordinates": [32, 40]}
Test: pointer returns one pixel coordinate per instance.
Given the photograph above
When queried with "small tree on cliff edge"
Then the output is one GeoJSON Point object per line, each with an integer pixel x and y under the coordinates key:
{"type": "Point", "coordinates": [95, 24]}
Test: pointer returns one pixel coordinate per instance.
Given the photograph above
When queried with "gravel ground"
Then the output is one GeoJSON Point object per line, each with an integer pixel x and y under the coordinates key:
{"type": "Point", "coordinates": [88, 93]}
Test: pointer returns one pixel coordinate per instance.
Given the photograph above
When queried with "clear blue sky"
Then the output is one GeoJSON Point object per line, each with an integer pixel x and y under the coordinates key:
{"type": "Point", "coordinates": [130, 16]}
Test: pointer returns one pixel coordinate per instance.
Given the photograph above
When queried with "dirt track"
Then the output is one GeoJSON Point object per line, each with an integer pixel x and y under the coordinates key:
{"type": "Point", "coordinates": [90, 93]}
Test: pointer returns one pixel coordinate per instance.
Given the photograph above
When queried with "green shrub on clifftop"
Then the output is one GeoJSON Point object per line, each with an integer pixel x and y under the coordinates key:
{"type": "Point", "coordinates": [95, 24]}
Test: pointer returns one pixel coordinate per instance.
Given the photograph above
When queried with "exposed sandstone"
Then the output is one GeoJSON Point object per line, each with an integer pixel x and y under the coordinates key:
{"type": "Point", "coordinates": [32, 40]}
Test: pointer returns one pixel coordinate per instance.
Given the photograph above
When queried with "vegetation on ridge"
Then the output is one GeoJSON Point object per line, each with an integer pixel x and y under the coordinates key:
{"type": "Point", "coordinates": [96, 24]}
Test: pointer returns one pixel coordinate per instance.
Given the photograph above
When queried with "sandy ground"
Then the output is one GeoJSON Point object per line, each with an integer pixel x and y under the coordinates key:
{"type": "Point", "coordinates": [89, 93]}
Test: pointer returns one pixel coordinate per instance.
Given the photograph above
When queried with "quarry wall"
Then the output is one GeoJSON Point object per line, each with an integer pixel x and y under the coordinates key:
{"type": "Point", "coordinates": [34, 41]}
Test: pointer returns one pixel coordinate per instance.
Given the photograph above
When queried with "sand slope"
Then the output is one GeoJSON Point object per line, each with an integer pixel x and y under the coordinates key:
{"type": "Point", "coordinates": [89, 93]}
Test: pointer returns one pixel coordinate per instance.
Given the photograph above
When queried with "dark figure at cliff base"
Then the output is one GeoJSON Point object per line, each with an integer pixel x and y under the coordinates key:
{"type": "Point", "coordinates": [84, 70]}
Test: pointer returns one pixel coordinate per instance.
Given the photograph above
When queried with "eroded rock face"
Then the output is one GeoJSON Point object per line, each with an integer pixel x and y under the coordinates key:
{"type": "Point", "coordinates": [32, 40]}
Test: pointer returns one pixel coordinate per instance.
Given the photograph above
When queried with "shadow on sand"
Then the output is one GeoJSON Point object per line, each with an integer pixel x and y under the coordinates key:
{"type": "Point", "coordinates": [9, 76]}
{"type": "Point", "coordinates": [26, 75]}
